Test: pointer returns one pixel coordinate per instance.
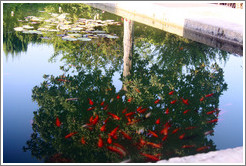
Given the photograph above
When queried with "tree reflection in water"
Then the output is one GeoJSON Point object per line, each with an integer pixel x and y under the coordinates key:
{"type": "Point", "coordinates": [164, 112]}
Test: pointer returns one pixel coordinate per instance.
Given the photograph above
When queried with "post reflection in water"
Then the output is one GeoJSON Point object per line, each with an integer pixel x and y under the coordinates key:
{"type": "Point", "coordinates": [168, 106]}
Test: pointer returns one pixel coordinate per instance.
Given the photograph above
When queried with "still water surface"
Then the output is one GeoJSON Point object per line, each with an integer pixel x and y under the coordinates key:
{"type": "Point", "coordinates": [182, 97]}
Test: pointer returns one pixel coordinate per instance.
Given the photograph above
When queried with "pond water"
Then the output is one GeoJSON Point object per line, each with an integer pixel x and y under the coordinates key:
{"type": "Point", "coordinates": [65, 98]}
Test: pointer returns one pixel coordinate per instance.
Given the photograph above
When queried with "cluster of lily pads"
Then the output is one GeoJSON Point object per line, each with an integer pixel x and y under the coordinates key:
{"type": "Point", "coordinates": [82, 29]}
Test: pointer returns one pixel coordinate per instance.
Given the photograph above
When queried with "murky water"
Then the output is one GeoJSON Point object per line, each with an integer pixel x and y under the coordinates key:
{"type": "Point", "coordinates": [63, 97]}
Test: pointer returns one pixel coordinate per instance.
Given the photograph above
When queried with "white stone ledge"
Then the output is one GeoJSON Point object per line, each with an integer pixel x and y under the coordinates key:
{"type": "Point", "coordinates": [232, 155]}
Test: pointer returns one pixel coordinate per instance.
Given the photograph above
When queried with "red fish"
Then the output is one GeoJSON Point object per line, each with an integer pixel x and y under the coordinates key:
{"type": "Point", "coordinates": [212, 121]}
{"type": "Point", "coordinates": [201, 99]}
{"type": "Point", "coordinates": [210, 112]}
{"type": "Point", "coordinates": [124, 110]}
{"type": "Point", "coordinates": [209, 95]}
{"type": "Point", "coordinates": [142, 142]}
{"type": "Point", "coordinates": [154, 144]}
{"type": "Point", "coordinates": [106, 120]}
{"type": "Point", "coordinates": [95, 120]}
{"type": "Point", "coordinates": [117, 150]}
{"type": "Point", "coordinates": [115, 136]}
{"type": "Point", "coordinates": [105, 108]}
{"type": "Point", "coordinates": [126, 135]}
{"type": "Point", "coordinates": [181, 48]}
{"type": "Point", "coordinates": [151, 157]}
{"type": "Point", "coordinates": [186, 111]}
{"type": "Point", "coordinates": [153, 133]}
{"type": "Point", "coordinates": [170, 93]}
{"type": "Point", "coordinates": [113, 132]}
{"type": "Point", "coordinates": [133, 121]}
{"type": "Point", "coordinates": [114, 116]}
{"type": "Point", "coordinates": [164, 138]}
{"type": "Point", "coordinates": [202, 148]}
{"type": "Point", "coordinates": [58, 123]}
{"type": "Point", "coordinates": [129, 100]}
{"type": "Point", "coordinates": [109, 140]}
{"type": "Point", "coordinates": [130, 113]}
{"type": "Point", "coordinates": [118, 97]}
{"type": "Point", "coordinates": [102, 103]}
{"type": "Point", "coordinates": [185, 101]}
{"type": "Point", "coordinates": [174, 101]}
{"type": "Point", "coordinates": [103, 128]}
{"type": "Point", "coordinates": [90, 101]}
{"type": "Point", "coordinates": [181, 136]}
{"type": "Point", "coordinates": [143, 110]}
{"type": "Point", "coordinates": [91, 108]}
{"type": "Point", "coordinates": [175, 130]}
{"type": "Point", "coordinates": [70, 135]}
{"type": "Point", "coordinates": [119, 146]}
{"type": "Point", "coordinates": [100, 142]}
{"type": "Point", "coordinates": [167, 111]}
{"type": "Point", "coordinates": [63, 80]}
{"type": "Point", "coordinates": [164, 131]}
{"type": "Point", "coordinates": [139, 108]}
{"type": "Point", "coordinates": [82, 140]}
{"type": "Point", "coordinates": [157, 101]}
{"type": "Point", "coordinates": [188, 146]}
{"type": "Point", "coordinates": [157, 121]}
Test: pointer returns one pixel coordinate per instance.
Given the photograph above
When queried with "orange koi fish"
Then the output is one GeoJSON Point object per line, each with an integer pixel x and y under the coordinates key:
{"type": "Point", "coordinates": [185, 101]}
{"type": "Point", "coordinates": [70, 135]}
{"type": "Point", "coordinates": [164, 131]}
{"type": "Point", "coordinates": [157, 121]}
{"type": "Point", "coordinates": [114, 116]}
{"type": "Point", "coordinates": [210, 112]}
{"type": "Point", "coordinates": [62, 80]}
{"type": "Point", "coordinates": [119, 146]}
{"type": "Point", "coordinates": [202, 148]}
{"type": "Point", "coordinates": [124, 110]}
{"type": "Point", "coordinates": [82, 140]}
{"type": "Point", "coordinates": [181, 136]}
{"type": "Point", "coordinates": [186, 111]}
{"type": "Point", "coordinates": [167, 111]}
{"type": "Point", "coordinates": [130, 113]}
{"type": "Point", "coordinates": [157, 101]}
{"type": "Point", "coordinates": [109, 140]}
{"type": "Point", "coordinates": [58, 123]}
{"type": "Point", "coordinates": [117, 150]}
{"type": "Point", "coordinates": [153, 133]}
{"type": "Point", "coordinates": [90, 101]}
{"type": "Point", "coordinates": [95, 120]}
{"type": "Point", "coordinates": [164, 138]}
{"type": "Point", "coordinates": [170, 93]}
{"type": "Point", "coordinates": [175, 130]}
{"type": "Point", "coordinates": [103, 128]}
{"type": "Point", "coordinates": [154, 144]}
{"type": "Point", "coordinates": [118, 97]}
{"type": "Point", "coordinates": [100, 142]}
{"type": "Point", "coordinates": [129, 100]}
{"type": "Point", "coordinates": [188, 146]}
{"type": "Point", "coordinates": [105, 108]}
{"type": "Point", "coordinates": [102, 103]}
{"type": "Point", "coordinates": [91, 108]}
{"type": "Point", "coordinates": [174, 101]}
{"type": "Point", "coordinates": [212, 121]}
{"type": "Point", "coordinates": [209, 95]}
{"type": "Point", "coordinates": [142, 142]}
{"type": "Point", "coordinates": [133, 121]}
{"type": "Point", "coordinates": [137, 90]}
{"type": "Point", "coordinates": [115, 136]}
{"type": "Point", "coordinates": [139, 108]}
{"type": "Point", "coordinates": [113, 132]}
{"type": "Point", "coordinates": [201, 99]}
{"type": "Point", "coordinates": [126, 135]}
{"type": "Point", "coordinates": [151, 157]}
{"type": "Point", "coordinates": [143, 110]}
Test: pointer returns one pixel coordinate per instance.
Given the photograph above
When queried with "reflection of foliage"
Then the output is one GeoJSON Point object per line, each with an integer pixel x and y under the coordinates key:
{"type": "Point", "coordinates": [145, 86]}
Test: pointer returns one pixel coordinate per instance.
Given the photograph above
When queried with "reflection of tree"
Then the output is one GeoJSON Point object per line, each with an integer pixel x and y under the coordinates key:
{"type": "Point", "coordinates": [145, 86]}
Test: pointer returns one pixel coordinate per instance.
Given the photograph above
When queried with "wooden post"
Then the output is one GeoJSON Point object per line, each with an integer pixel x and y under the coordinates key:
{"type": "Point", "coordinates": [128, 48]}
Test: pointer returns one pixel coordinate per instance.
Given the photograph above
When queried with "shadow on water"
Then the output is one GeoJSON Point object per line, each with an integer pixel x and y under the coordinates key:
{"type": "Point", "coordinates": [169, 108]}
